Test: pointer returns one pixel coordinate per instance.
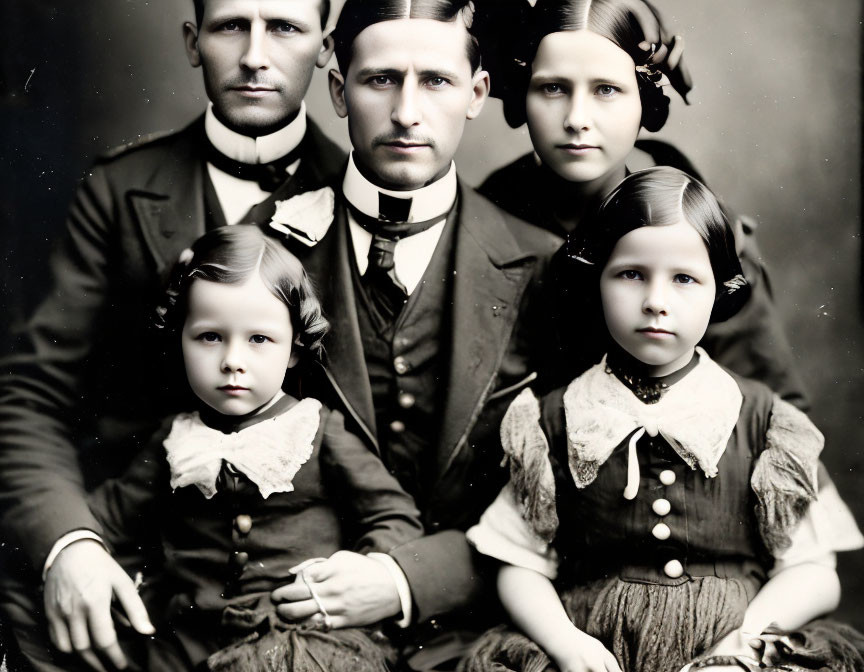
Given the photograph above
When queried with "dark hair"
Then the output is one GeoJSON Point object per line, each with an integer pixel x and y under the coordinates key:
{"type": "Point", "coordinates": [634, 26]}
{"type": "Point", "coordinates": [659, 196]}
{"type": "Point", "coordinates": [199, 12]}
{"type": "Point", "coordinates": [230, 255]}
{"type": "Point", "coordinates": [358, 15]}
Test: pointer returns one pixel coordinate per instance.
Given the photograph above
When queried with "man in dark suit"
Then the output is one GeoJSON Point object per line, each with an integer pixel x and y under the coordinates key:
{"type": "Point", "coordinates": [87, 379]}
{"type": "Point", "coordinates": [436, 302]}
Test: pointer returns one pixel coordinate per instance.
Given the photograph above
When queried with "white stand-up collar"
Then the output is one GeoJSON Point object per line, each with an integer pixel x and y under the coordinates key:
{"type": "Point", "coordinates": [429, 202]}
{"type": "Point", "coordinates": [263, 149]}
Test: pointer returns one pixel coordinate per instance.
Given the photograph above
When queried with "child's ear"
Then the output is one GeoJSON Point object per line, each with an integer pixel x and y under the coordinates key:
{"type": "Point", "coordinates": [294, 359]}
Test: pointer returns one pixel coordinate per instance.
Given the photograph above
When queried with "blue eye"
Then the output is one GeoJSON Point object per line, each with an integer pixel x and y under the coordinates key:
{"type": "Point", "coordinates": [258, 339]}
{"type": "Point", "coordinates": [437, 82]}
{"type": "Point", "coordinates": [380, 80]}
{"type": "Point", "coordinates": [231, 26]}
{"type": "Point", "coordinates": [285, 27]}
{"type": "Point", "coordinates": [209, 337]}
{"type": "Point", "coordinates": [607, 90]}
{"type": "Point", "coordinates": [552, 89]}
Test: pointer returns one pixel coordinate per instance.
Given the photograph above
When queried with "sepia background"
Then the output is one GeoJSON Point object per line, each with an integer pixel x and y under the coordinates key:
{"type": "Point", "coordinates": [774, 126]}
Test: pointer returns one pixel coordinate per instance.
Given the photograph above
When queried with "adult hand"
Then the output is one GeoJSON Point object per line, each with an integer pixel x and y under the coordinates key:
{"type": "Point", "coordinates": [355, 591]}
{"type": "Point", "coordinates": [586, 654]}
{"type": "Point", "coordinates": [78, 592]}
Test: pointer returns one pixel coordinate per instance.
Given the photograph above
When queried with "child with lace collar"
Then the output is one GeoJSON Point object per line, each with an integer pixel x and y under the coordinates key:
{"type": "Point", "coordinates": [233, 497]}
{"type": "Point", "coordinates": [663, 513]}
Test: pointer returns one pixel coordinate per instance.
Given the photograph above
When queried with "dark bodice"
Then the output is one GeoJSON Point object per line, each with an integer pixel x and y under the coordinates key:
{"type": "Point", "coordinates": [709, 530]}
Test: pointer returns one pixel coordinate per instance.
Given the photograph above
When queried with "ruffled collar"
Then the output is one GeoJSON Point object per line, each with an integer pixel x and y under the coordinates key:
{"type": "Point", "coordinates": [268, 448]}
{"type": "Point", "coordinates": [601, 412]}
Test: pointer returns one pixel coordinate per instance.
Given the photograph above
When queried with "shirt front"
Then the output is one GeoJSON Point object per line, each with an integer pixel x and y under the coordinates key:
{"type": "Point", "coordinates": [237, 196]}
{"type": "Point", "coordinates": [412, 254]}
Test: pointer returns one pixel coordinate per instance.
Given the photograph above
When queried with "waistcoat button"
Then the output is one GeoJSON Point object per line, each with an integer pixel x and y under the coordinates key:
{"type": "Point", "coordinates": [401, 365]}
{"type": "Point", "coordinates": [397, 426]}
{"type": "Point", "coordinates": [243, 523]}
{"type": "Point", "coordinates": [407, 400]}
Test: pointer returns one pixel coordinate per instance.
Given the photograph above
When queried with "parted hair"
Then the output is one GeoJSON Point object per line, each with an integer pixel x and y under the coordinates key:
{"type": "Point", "coordinates": [199, 11]}
{"type": "Point", "coordinates": [358, 15]}
{"type": "Point", "coordinates": [634, 26]}
{"type": "Point", "coordinates": [660, 196]}
{"type": "Point", "coordinates": [231, 255]}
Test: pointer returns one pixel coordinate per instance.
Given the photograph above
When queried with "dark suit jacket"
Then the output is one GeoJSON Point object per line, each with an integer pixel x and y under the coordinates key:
{"type": "Point", "coordinates": [343, 497]}
{"type": "Point", "coordinates": [498, 344]}
{"type": "Point", "coordinates": [87, 376]}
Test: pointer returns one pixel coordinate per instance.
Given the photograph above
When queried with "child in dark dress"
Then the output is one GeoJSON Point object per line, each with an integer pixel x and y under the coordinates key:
{"type": "Point", "coordinates": [235, 495]}
{"type": "Point", "coordinates": [663, 512]}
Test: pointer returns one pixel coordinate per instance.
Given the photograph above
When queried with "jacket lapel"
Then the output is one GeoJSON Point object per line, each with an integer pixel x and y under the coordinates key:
{"type": "Point", "coordinates": [490, 274]}
{"type": "Point", "coordinates": [169, 207]}
{"type": "Point", "coordinates": [329, 264]}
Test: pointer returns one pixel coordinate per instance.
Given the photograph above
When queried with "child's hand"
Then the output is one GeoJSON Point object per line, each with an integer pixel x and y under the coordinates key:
{"type": "Point", "coordinates": [586, 654]}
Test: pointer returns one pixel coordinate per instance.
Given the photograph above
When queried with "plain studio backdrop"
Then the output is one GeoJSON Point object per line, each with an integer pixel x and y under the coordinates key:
{"type": "Point", "coordinates": [774, 126]}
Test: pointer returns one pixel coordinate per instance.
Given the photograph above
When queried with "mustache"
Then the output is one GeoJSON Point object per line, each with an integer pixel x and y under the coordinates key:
{"type": "Point", "coordinates": [254, 80]}
{"type": "Point", "coordinates": [388, 138]}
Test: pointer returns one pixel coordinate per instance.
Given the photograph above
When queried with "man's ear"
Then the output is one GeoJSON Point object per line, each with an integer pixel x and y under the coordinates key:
{"type": "Point", "coordinates": [190, 40]}
{"type": "Point", "coordinates": [479, 93]}
{"type": "Point", "coordinates": [337, 92]}
{"type": "Point", "coordinates": [326, 50]}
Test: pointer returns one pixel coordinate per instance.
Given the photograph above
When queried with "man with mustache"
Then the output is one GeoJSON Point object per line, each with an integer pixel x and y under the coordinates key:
{"type": "Point", "coordinates": [435, 301]}
{"type": "Point", "coordinates": [86, 380]}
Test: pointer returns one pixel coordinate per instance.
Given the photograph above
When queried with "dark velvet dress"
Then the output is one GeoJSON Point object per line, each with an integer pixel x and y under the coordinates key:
{"type": "Point", "coordinates": [752, 343]}
{"type": "Point", "coordinates": [721, 474]}
{"type": "Point", "coordinates": [217, 555]}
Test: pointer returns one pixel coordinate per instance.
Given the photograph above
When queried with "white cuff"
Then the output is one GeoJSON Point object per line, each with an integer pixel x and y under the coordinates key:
{"type": "Point", "coordinates": [67, 540]}
{"type": "Point", "coordinates": [402, 586]}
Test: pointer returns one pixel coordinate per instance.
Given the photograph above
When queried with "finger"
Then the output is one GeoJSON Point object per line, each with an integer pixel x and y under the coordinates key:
{"type": "Point", "coordinates": [296, 611]}
{"type": "Point", "coordinates": [78, 632]}
{"type": "Point", "coordinates": [92, 660]}
{"type": "Point", "coordinates": [115, 654]}
{"type": "Point", "coordinates": [59, 633]}
{"type": "Point", "coordinates": [296, 569]}
{"type": "Point", "coordinates": [320, 571]}
{"type": "Point", "coordinates": [293, 592]}
{"type": "Point", "coordinates": [104, 636]}
{"type": "Point", "coordinates": [135, 610]}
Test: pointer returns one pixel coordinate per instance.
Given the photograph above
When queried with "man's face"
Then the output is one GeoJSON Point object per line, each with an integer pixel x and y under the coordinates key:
{"type": "Point", "coordinates": [407, 94]}
{"type": "Point", "coordinates": [258, 57]}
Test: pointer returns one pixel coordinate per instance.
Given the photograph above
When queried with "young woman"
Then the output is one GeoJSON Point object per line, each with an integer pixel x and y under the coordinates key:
{"type": "Point", "coordinates": [586, 76]}
{"type": "Point", "coordinates": [662, 511]}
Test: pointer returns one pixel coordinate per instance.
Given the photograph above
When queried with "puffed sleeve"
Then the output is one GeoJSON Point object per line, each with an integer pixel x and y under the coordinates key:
{"type": "Point", "coordinates": [503, 534]}
{"type": "Point", "coordinates": [519, 525]}
{"type": "Point", "coordinates": [827, 528]}
{"type": "Point", "coordinates": [785, 476]}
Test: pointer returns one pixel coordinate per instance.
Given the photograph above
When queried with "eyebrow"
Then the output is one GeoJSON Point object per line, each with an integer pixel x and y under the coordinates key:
{"type": "Point", "coordinates": [217, 20]}
{"type": "Point", "coordinates": [395, 72]}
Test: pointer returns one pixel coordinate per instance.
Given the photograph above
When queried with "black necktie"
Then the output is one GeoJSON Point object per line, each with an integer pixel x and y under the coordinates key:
{"type": "Point", "coordinates": [387, 295]}
{"type": "Point", "coordinates": [269, 176]}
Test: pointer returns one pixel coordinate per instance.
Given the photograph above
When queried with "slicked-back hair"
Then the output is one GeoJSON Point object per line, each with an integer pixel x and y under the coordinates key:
{"type": "Point", "coordinates": [358, 15]}
{"type": "Point", "coordinates": [231, 255]}
{"type": "Point", "coordinates": [660, 196]}
{"type": "Point", "coordinates": [199, 12]}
